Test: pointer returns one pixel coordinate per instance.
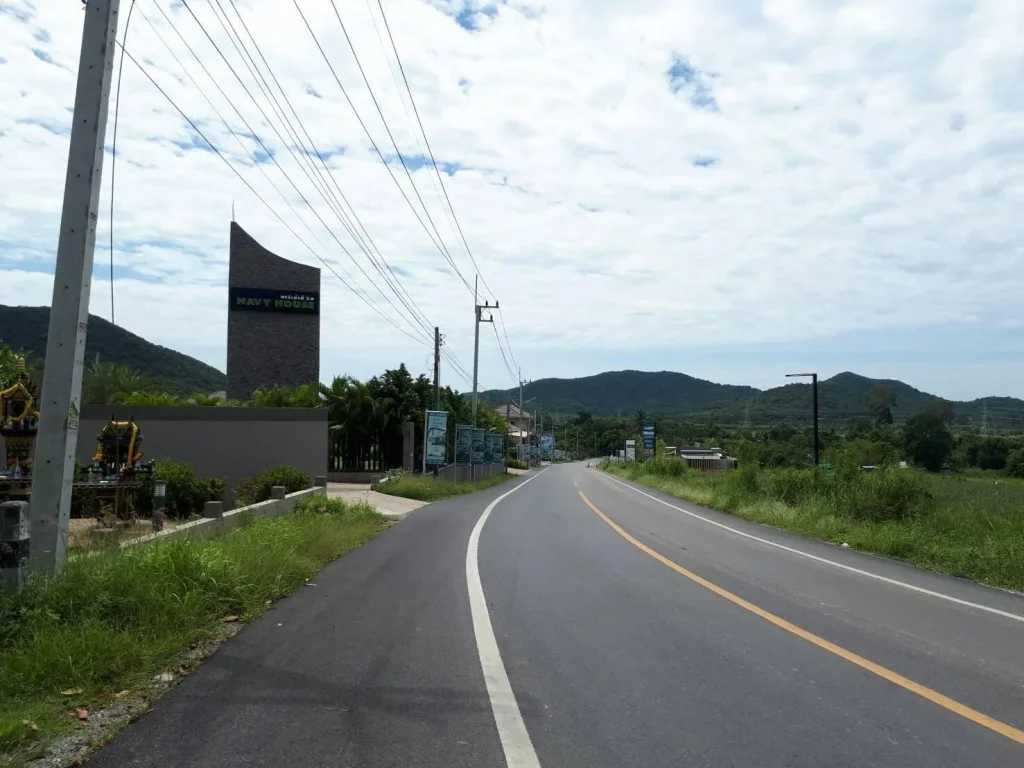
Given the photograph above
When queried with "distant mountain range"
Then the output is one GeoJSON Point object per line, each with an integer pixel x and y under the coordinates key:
{"type": "Point", "coordinates": [667, 394]}
{"type": "Point", "coordinates": [25, 329]}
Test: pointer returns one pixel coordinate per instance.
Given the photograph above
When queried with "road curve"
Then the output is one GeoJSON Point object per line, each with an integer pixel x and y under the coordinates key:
{"type": "Point", "coordinates": [586, 622]}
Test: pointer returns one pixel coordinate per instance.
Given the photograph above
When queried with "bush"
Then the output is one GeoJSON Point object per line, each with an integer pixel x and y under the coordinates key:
{"type": "Point", "coordinates": [186, 491]}
{"type": "Point", "coordinates": [1015, 463]}
{"type": "Point", "coordinates": [665, 466]}
{"type": "Point", "coordinates": [253, 490]}
{"type": "Point", "coordinates": [517, 464]}
{"type": "Point", "coordinates": [792, 486]}
{"type": "Point", "coordinates": [882, 496]}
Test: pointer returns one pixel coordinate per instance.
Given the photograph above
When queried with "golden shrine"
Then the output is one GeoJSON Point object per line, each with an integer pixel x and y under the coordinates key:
{"type": "Point", "coordinates": [19, 425]}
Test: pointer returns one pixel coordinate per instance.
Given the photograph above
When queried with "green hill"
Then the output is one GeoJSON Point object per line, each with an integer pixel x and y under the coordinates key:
{"type": "Point", "coordinates": [661, 393]}
{"type": "Point", "coordinates": [667, 394]}
{"type": "Point", "coordinates": [25, 329]}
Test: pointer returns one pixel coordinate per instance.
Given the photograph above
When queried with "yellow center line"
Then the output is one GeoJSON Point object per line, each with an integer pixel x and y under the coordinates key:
{"type": "Point", "coordinates": [935, 697]}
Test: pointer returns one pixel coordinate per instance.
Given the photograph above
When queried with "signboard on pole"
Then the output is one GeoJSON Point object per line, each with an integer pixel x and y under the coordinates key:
{"type": "Point", "coordinates": [499, 448]}
{"type": "Point", "coordinates": [489, 448]}
{"type": "Point", "coordinates": [630, 450]}
{"type": "Point", "coordinates": [464, 445]}
{"type": "Point", "coordinates": [435, 439]}
{"type": "Point", "coordinates": [547, 446]}
{"type": "Point", "coordinates": [477, 455]}
{"type": "Point", "coordinates": [649, 439]}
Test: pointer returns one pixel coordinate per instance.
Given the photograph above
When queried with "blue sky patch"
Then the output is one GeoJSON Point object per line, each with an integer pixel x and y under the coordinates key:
{"type": "Point", "coordinates": [313, 91]}
{"type": "Point", "coordinates": [705, 161]}
{"type": "Point", "coordinates": [684, 77]}
{"type": "Point", "coordinates": [54, 127]}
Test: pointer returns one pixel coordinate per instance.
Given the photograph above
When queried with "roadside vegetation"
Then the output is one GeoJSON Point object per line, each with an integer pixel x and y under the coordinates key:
{"type": "Point", "coordinates": [964, 527]}
{"type": "Point", "coordinates": [427, 488]}
{"type": "Point", "coordinates": [113, 620]}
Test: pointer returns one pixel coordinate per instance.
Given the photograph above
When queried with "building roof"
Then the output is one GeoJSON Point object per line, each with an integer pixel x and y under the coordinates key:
{"type": "Point", "coordinates": [513, 411]}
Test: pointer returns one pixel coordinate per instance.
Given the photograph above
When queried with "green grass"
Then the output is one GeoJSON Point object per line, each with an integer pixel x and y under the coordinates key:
{"type": "Point", "coordinates": [968, 528]}
{"type": "Point", "coordinates": [428, 489]}
{"type": "Point", "coordinates": [113, 620]}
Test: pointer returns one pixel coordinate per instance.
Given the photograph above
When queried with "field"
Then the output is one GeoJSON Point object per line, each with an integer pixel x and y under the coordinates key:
{"type": "Point", "coordinates": [973, 528]}
{"type": "Point", "coordinates": [428, 489]}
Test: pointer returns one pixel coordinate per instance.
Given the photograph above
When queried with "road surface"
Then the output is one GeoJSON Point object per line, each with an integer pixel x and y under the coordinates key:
{"type": "Point", "coordinates": [570, 620]}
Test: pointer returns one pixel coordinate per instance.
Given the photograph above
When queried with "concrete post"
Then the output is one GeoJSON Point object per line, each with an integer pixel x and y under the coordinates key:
{"type": "Point", "coordinates": [54, 462]}
{"type": "Point", "coordinates": [213, 509]}
{"type": "Point", "coordinates": [278, 492]}
{"type": "Point", "coordinates": [14, 545]}
{"type": "Point", "coordinates": [409, 446]}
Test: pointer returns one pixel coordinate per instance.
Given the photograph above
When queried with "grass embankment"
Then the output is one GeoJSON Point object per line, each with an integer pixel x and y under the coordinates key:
{"type": "Point", "coordinates": [427, 488]}
{"type": "Point", "coordinates": [968, 528]}
{"type": "Point", "coordinates": [113, 620]}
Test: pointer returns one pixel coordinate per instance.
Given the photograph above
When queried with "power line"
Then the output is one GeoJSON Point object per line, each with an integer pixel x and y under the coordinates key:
{"type": "Point", "coordinates": [267, 150]}
{"type": "Point", "coordinates": [507, 366]}
{"type": "Point", "coordinates": [113, 151]}
{"type": "Point", "coordinates": [392, 282]}
{"type": "Point", "coordinates": [257, 194]}
{"type": "Point", "coordinates": [439, 245]}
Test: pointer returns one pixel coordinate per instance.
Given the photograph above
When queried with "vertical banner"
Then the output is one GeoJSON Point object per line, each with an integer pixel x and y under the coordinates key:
{"type": "Point", "coordinates": [500, 456]}
{"type": "Point", "coordinates": [478, 446]}
{"type": "Point", "coordinates": [464, 445]}
{"type": "Point", "coordinates": [649, 439]}
{"type": "Point", "coordinates": [547, 446]}
{"type": "Point", "coordinates": [489, 448]}
{"type": "Point", "coordinates": [630, 450]}
{"type": "Point", "coordinates": [435, 439]}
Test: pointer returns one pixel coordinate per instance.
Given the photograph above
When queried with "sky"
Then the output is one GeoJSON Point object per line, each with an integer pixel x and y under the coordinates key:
{"type": "Point", "coordinates": [734, 190]}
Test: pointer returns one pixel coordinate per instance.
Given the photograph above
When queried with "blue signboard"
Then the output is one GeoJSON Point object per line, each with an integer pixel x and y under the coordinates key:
{"type": "Point", "coordinates": [464, 445]}
{"type": "Point", "coordinates": [436, 439]}
{"type": "Point", "coordinates": [547, 446]}
{"type": "Point", "coordinates": [649, 439]}
{"type": "Point", "coordinates": [478, 446]}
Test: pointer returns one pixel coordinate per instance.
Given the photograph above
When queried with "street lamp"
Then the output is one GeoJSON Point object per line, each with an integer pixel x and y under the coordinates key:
{"type": "Point", "coordinates": [814, 396]}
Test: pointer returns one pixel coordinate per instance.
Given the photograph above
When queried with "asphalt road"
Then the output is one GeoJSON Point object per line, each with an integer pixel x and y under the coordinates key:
{"type": "Point", "coordinates": [583, 623]}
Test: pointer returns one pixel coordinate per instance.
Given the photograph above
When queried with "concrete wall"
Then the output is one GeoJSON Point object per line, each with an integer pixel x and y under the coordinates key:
{"type": "Point", "coordinates": [269, 348]}
{"type": "Point", "coordinates": [233, 443]}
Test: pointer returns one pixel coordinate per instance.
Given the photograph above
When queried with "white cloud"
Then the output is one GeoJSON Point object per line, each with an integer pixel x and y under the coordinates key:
{"type": "Point", "coordinates": [864, 168]}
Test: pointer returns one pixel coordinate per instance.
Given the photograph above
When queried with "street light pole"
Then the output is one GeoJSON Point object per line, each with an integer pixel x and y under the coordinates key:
{"type": "Point", "coordinates": [814, 404]}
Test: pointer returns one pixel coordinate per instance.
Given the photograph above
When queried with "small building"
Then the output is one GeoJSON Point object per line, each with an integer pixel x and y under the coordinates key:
{"type": "Point", "coordinates": [706, 459]}
{"type": "Point", "coordinates": [520, 422]}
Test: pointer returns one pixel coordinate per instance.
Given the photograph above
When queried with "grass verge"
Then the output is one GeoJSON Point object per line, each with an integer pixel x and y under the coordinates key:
{"type": "Point", "coordinates": [965, 528]}
{"type": "Point", "coordinates": [428, 489]}
{"type": "Point", "coordinates": [113, 620]}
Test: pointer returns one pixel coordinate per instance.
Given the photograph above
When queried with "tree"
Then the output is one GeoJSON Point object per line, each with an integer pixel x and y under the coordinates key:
{"type": "Point", "coordinates": [944, 409]}
{"type": "Point", "coordinates": [105, 383]}
{"type": "Point", "coordinates": [8, 363]}
{"type": "Point", "coordinates": [928, 441]}
{"type": "Point", "coordinates": [881, 401]}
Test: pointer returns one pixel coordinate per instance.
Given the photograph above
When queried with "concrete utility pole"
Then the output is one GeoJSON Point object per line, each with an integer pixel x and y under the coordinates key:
{"type": "Point", "coordinates": [54, 461]}
{"type": "Point", "coordinates": [437, 368]}
{"type": "Point", "coordinates": [476, 346]}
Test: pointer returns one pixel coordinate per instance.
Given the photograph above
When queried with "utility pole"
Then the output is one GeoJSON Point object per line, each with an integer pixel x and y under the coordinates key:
{"type": "Point", "coordinates": [54, 462]}
{"type": "Point", "coordinates": [437, 368]}
{"type": "Point", "coordinates": [476, 345]}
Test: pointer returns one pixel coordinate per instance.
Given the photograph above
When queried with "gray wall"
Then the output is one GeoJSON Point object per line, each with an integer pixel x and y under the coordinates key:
{"type": "Point", "coordinates": [267, 349]}
{"type": "Point", "coordinates": [233, 443]}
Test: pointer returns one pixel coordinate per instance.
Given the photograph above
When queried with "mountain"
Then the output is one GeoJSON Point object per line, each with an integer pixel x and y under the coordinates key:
{"type": "Point", "coordinates": [666, 394]}
{"type": "Point", "coordinates": [25, 329]}
{"type": "Point", "coordinates": [661, 393]}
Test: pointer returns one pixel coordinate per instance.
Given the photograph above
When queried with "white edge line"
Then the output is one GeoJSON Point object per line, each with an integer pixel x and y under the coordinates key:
{"type": "Point", "coordinates": [809, 556]}
{"type": "Point", "coordinates": [515, 740]}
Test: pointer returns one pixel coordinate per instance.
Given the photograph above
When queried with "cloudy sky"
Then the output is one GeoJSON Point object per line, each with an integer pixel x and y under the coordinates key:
{"type": "Point", "coordinates": [734, 189]}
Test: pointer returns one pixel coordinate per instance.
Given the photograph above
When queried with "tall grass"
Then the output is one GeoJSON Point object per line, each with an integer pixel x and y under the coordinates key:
{"type": "Point", "coordinates": [112, 620]}
{"type": "Point", "coordinates": [967, 528]}
{"type": "Point", "coordinates": [427, 488]}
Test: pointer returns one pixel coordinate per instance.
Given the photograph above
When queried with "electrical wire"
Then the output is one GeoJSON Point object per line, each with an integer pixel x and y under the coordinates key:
{"type": "Point", "coordinates": [439, 245]}
{"type": "Point", "coordinates": [437, 171]}
{"type": "Point", "coordinates": [511, 373]}
{"type": "Point", "coordinates": [113, 151]}
{"type": "Point", "coordinates": [258, 196]}
{"type": "Point", "coordinates": [266, 149]}
{"type": "Point", "coordinates": [385, 271]}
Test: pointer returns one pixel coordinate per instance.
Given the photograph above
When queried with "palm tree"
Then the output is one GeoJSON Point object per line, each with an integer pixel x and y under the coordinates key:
{"type": "Point", "coordinates": [110, 383]}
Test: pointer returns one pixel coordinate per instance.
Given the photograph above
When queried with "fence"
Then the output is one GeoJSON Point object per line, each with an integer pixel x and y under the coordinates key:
{"type": "Point", "coordinates": [371, 452]}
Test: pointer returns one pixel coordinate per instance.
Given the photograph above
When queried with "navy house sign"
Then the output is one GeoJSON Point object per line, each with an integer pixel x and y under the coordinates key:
{"type": "Point", "coordinates": [272, 300]}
